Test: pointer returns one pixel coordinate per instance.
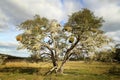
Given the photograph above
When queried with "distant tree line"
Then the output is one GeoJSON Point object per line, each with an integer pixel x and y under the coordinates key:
{"type": "Point", "coordinates": [104, 56]}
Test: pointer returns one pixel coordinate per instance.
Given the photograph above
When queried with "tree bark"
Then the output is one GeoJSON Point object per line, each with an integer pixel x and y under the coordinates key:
{"type": "Point", "coordinates": [51, 71]}
{"type": "Point", "coordinates": [55, 64]}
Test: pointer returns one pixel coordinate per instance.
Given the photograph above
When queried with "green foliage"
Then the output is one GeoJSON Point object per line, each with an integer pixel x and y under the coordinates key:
{"type": "Point", "coordinates": [34, 32]}
{"type": "Point", "coordinates": [84, 20]}
{"type": "Point", "coordinates": [37, 21]}
{"type": "Point", "coordinates": [106, 56]}
{"type": "Point", "coordinates": [82, 23]}
{"type": "Point", "coordinates": [86, 26]}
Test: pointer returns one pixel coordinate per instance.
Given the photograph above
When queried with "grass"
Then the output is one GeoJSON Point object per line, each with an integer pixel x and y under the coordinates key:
{"type": "Point", "coordinates": [74, 70]}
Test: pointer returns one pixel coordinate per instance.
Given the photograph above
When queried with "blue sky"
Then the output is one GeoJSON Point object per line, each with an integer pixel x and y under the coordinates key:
{"type": "Point", "coordinates": [13, 12]}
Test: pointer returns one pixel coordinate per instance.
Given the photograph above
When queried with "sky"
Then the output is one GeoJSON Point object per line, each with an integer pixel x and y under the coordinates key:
{"type": "Point", "coordinates": [13, 12]}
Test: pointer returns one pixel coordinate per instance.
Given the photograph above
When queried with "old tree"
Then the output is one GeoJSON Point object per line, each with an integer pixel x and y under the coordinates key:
{"type": "Point", "coordinates": [46, 37]}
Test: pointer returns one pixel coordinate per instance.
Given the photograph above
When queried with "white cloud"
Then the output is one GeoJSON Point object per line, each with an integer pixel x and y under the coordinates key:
{"type": "Point", "coordinates": [47, 8]}
{"type": "Point", "coordinates": [70, 7]}
{"type": "Point", "coordinates": [3, 21]}
{"type": "Point", "coordinates": [109, 10]}
{"type": "Point", "coordinates": [54, 9]}
{"type": "Point", "coordinates": [8, 44]}
{"type": "Point", "coordinates": [114, 35]}
{"type": "Point", "coordinates": [11, 49]}
{"type": "Point", "coordinates": [16, 11]}
{"type": "Point", "coordinates": [14, 52]}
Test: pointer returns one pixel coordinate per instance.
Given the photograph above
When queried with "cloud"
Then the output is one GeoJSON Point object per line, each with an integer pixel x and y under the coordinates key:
{"type": "Point", "coordinates": [8, 44]}
{"type": "Point", "coordinates": [109, 10]}
{"type": "Point", "coordinates": [16, 11]}
{"type": "Point", "coordinates": [14, 52]}
{"type": "Point", "coordinates": [10, 48]}
{"type": "Point", "coordinates": [69, 7]}
{"type": "Point", "coordinates": [10, 14]}
{"type": "Point", "coordinates": [47, 8]}
{"type": "Point", "coordinates": [114, 35]}
{"type": "Point", "coordinates": [3, 20]}
{"type": "Point", "coordinates": [111, 15]}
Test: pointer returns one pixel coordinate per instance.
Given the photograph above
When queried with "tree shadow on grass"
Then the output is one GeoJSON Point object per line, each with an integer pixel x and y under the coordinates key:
{"type": "Point", "coordinates": [114, 70]}
{"type": "Point", "coordinates": [28, 70]}
{"type": "Point", "coordinates": [80, 72]}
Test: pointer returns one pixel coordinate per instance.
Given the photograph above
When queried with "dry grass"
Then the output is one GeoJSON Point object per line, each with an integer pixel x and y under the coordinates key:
{"type": "Point", "coordinates": [95, 67]}
{"type": "Point", "coordinates": [74, 70]}
{"type": "Point", "coordinates": [26, 64]}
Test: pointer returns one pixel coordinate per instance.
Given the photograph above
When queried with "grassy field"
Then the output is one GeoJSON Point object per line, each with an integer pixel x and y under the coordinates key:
{"type": "Point", "coordinates": [72, 71]}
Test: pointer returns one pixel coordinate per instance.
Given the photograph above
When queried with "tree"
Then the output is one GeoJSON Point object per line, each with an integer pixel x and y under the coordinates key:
{"type": "Point", "coordinates": [44, 37]}
{"type": "Point", "coordinates": [106, 55]}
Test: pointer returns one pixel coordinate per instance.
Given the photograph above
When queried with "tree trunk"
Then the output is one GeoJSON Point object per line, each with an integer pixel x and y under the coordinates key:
{"type": "Point", "coordinates": [53, 69]}
{"type": "Point", "coordinates": [66, 57]}
{"type": "Point", "coordinates": [60, 70]}
{"type": "Point", "coordinates": [55, 64]}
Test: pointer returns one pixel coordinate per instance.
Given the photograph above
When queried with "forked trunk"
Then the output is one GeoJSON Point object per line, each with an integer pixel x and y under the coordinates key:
{"type": "Point", "coordinates": [60, 70]}
{"type": "Point", "coordinates": [66, 57]}
{"type": "Point", "coordinates": [55, 64]}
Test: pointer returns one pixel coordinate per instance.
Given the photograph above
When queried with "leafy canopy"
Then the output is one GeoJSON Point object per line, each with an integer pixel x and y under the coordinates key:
{"type": "Point", "coordinates": [82, 31]}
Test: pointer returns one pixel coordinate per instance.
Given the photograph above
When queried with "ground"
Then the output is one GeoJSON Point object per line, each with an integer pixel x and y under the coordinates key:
{"type": "Point", "coordinates": [73, 70]}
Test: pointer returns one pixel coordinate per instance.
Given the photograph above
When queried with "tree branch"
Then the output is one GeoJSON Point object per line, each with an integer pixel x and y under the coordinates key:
{"type": "Point", "coordinates": [46, 54]}
{"type": "Point", "coordinates": [72, 47]}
